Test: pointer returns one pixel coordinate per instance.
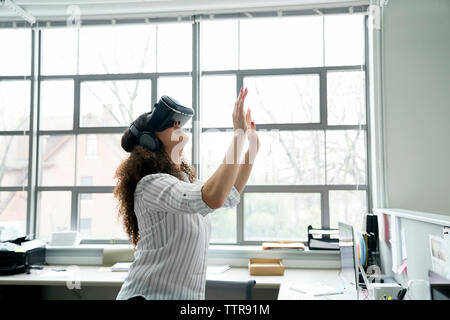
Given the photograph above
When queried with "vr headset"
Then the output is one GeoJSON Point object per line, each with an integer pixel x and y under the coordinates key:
{"type": "Point", "coordinates": [166, 113]}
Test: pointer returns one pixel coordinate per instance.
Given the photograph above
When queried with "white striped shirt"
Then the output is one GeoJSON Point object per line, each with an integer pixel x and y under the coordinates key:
{"type": "Point", "coordinates": [174, 230]}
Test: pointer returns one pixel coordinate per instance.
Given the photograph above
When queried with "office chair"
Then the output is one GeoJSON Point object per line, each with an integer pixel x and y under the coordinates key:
{"type": "Point", "coordinates": [229, 290]}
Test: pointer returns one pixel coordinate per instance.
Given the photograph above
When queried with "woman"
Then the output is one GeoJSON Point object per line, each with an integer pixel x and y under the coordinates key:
{"type": "Point", "coordinates": [165, 209]}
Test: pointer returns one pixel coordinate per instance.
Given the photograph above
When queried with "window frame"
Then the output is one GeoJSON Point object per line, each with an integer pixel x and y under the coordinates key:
{"type": "Point", "coordinates": [34, 131]}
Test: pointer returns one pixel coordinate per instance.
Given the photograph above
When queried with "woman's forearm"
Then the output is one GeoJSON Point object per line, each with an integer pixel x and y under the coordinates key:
{"type": "Point", "coordinates": [245, 168]}
{"type": "Point", "coordinates": [217, 188]}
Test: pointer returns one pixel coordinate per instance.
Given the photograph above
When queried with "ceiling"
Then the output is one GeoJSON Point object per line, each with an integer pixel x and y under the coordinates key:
{"type": "Point", "coordinates": [45, 10]}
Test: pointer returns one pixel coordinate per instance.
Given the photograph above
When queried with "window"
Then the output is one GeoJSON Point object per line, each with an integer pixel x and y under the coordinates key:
{"type": "Point", "coordinates": [98, 217]}
{"type": "Point", "coordinates": [15, 91]}
{"type": "Point", "coordinates": [92, 88]}
{"type": "Point", "coordinates": [307, 92]}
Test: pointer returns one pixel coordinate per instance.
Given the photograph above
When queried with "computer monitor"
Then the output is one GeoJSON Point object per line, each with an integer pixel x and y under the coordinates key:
{"type": "Point", "coordinates": [349, 266]}
{"type": "Point", "coordinates": [439, 286]}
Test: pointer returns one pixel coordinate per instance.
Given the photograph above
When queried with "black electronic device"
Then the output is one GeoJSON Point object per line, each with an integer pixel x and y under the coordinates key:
{"type": "Point", "coordinates": [165, 114]}
{"type": "Point", "coordinates": [439, 286]}
{"type": "Point", "coordinates": [17, 256]}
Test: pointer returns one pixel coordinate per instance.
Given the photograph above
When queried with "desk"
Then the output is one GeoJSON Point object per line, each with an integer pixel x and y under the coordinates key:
{"type": "Point", "coordinates": [92, 276]}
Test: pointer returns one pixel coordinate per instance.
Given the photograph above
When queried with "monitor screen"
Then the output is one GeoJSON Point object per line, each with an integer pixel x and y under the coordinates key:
{"type": "Point", "coordinates": [347, 249]}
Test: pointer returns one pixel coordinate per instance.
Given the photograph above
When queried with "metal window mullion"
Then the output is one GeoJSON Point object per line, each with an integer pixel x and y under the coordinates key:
{"type": "Point", "coordinates": [14, 189]}
{"type": "Point", "coordinates": [114, 76]}
{"type": "Point", "coordinates": [244, 72]}
{"type": "Point", "coordinates": [79, 189]}
{"type": "Point", "coordinates": [369, 200]}
{"type": "Point", "coordinates": [76, 127]}
{"type": "Point", "coordinates": [196, 81]}
{"type": "Point", "coordinates": [324, 195]}
{"type": "Point", "coordinates": [325, 210]}
{"type": "Point", "coordinates": [154, 91]}
{"type": "Point", "coordinates": [323, 99]}
{"type": "Point", "coordinates": [294, 127]}
{"type": "Point", "coordinates": [239, 82]}
{"type": "Point", "coordinates": [33, 148]}
{"type": "Point", "coordinates": [18, 132]}
{"type": "Point", "coordinates": [76, 106]}
{"type": "Point", "coordinates": [301, 188]}
{"type": "Point", "coordinates": [85, 130]}
{"type": "Point", "coordinates": [31, 143]}
{"type": "Point", "coordinates": [18, 78]}
{"type": "Point", "coordinates": [283, 71]}
{"type": "Point", "coordinates": [74, 216]}
{"type": "Point", "coordinates": [240, 220]}
{"type": "Point", "coordinates": [240, 208]}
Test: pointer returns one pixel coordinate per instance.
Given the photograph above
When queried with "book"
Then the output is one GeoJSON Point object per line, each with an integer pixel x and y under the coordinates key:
{"type": "Point", "coordinates": [284, 244]}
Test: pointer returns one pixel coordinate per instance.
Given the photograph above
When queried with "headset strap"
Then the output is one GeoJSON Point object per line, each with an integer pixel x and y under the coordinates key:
{"type": "Point", "coordinates": [135, 131]}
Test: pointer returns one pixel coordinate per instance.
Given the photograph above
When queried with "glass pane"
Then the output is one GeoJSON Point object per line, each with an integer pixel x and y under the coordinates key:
{"type": "Point", "coordinates": [15, 57]}
{"type": "Point", "coordinates": [289, 157]}
{"type": "Point", "coordinates": [346, 98]}
{"type": "Point", "coordinates": [284, 99]}
{"type": "Point", "coordinates": [223, 225]}
{"type": "Point", "coordinates": [285, 157]}
{"type": "Point", "coordinates": [14, 160]}
{"type": "Point", "coordinates": [57, 105]}
{"type": "Point", "coordinates": [280, 216]}
{"type": "Point", "coordinates": [92, 150]}
{"type": "Point", "coordinates": [99, 218]}
{"type": "Point", "coordinates": [213, 146]}
{"type": "Point", "coordinates": [218, 97]}
{"type": "Point", "coordinates": [179, 88]}
{"type": "Point", "coordinates": [14, 105]}
{"type": "Point", "coordinates": [13, 214]}
{"type": "Point", "coordinates": [118, 49]}
{"type": "Point", "coordinates": [113, 103]}
{"type": "Point", "coordinates": [272, 42]}
{"type": "Point", "coordinates": [348, 207]}
{"type": "Point", "coordinates": [174, 47]}
{"type": "Point", "coordinates": [344, 40]}
{"type": "Point", "coordinates": [59, 51]}
{"type": "Point", "coordinates": [57, 160]}
{"type": "Point", "coordinates": [219, 45]}
{"type": "Point", "coordinates": [346, 157]}
{"type": "Point", "coordinates": [54, 212]}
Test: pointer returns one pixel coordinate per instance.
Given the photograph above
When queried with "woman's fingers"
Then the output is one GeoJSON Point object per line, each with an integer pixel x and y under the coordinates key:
{"type": "Point", "coordinates": [239, 116]}
{"type": "Point", "coordinates": [236, 105]}
{"type": "Point", "coordinates": [244, 94]}
{"type": "Point", "coordinates": [247, 116]}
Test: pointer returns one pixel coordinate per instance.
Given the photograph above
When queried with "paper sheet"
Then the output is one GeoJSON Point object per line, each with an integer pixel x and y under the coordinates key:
{"type": "Point", "coordinates": [316, 289]}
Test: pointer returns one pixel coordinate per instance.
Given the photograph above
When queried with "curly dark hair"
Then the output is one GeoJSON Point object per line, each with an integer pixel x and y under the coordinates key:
{"type": "Point", "coordinates": [141, 162]}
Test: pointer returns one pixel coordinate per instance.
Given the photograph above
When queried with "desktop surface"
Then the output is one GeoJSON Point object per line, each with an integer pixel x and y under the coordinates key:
{"type": "Point", "coordinates": [94, 276]}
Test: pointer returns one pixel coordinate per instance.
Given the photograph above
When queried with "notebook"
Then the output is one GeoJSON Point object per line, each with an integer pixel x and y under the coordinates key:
{"type": "Point", "coordinates": [316, 289]}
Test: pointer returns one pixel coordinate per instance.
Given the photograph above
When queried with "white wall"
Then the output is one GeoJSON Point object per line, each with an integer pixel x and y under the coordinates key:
{"type": "Point", "coordinates": [416, 73]}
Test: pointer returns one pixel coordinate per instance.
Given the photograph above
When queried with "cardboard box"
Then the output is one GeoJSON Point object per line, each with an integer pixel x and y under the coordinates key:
{"type": "Point", "coordinates": [265, 267]}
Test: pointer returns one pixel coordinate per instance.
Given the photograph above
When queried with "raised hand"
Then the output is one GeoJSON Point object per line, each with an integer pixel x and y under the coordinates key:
{"type": "Point", "coordinates": [239, 121]}
{"type": "Point", "coordinates": [252, 135]}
